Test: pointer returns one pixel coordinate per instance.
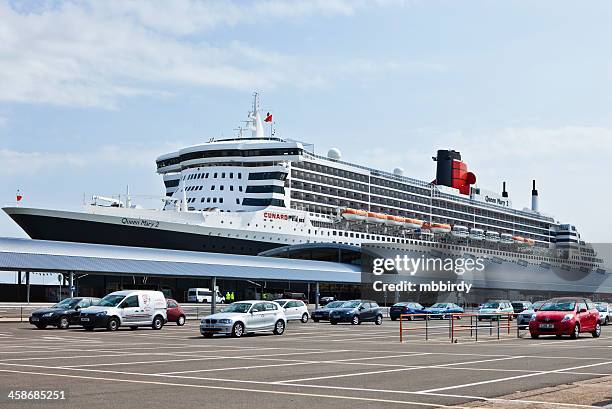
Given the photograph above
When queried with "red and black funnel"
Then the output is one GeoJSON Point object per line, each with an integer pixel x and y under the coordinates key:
{"type": "Point", "coordinates": [452, 172]}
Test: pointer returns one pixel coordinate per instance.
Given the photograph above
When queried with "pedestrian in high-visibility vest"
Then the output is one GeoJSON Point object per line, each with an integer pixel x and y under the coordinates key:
{"type": "Point", "coordinates": [232, 296]}
{"type": "Point", "coordinates": [227, 297]}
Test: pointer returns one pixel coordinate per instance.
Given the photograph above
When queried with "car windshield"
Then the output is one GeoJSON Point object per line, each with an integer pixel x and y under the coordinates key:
{"type": "Point", "coordinates": [439, 305]}
{"type": "Point", "coordinates": [537, 305]}
{"type": "Point", "coordinates": [400, 304]}
{"type": "Point", "coordinates": [67, 303]}
{"type": "Point", "coordinates": [334, 304]}
{"type": "Point", "coordinates": [238, 307]}
{"type": "Point", "coordinates": [602, 307]}
{"type": "Point", "coordinates": [491, 305]}
{"type": "Point", "coordinates": [351, 304]}
{"type": "Point", "coordinates": [281, 302]}
{"type": "Point", "coordinates": [111, 300]}
{"type": "Point", "coordinates": [561, 305]}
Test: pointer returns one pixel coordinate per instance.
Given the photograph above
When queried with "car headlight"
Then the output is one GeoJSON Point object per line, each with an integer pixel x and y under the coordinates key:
{"type": "Point", "coordinates": [567, 317]}
{"type": "Point", "coordinates": [49, 314]}
{"type": "Point", "coordinates": [101, 313]}
{"type": "Point", "coordinates": [225, 321]}
{"type": "Point", "coordinates": [348, 312]}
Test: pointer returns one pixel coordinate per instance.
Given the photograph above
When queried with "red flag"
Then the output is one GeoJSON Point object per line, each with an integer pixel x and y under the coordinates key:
{"type": "Point", "coordinates": [268, 117]}
{"type": "Point", "coordinates": [19, 197]}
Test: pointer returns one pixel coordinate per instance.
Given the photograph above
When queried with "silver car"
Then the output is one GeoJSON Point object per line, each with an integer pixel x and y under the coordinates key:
{"type": "Point", "coordinates": [243, 317]}
{"type": "Point", "coordinates": [605, 312]}
{"type": "Point", "coordinates": [523, 318]}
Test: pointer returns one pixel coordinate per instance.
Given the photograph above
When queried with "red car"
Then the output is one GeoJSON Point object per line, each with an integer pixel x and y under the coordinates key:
{"type": "Point", "coordinates": [175, 312]}
{"type": "Point", "coordinates": [565, 316]}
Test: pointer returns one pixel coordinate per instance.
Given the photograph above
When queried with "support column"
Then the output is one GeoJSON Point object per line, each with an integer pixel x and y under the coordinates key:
{"type": "Point", "coordinates": [213, 300]}
{"type": "Point", "coordinates": [317, 295]}
{"type": "Point", "coordinates": [27, 286]}
{"type": "Point", "coordinates": [71, 284]}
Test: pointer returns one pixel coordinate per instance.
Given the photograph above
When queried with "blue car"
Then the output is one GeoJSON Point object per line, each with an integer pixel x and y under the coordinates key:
{"type": "Point", "coordinates": [406, 308]}
{"type": "Point", "coordinates": [442, 310]}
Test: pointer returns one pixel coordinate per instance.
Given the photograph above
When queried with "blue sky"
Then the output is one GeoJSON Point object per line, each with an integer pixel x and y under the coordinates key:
{"type": "Point", "coordinates": [92, 92]}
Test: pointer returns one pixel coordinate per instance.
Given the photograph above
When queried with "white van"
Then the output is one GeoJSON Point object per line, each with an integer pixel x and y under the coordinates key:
{"type": "Point", "coordinates": [203, 295]}
{"type": "Point", "coordinates": [133, 308]}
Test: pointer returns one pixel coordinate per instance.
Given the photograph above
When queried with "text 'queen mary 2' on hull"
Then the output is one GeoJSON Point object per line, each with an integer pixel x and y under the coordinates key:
{"type": "Point", "coordinates": [245, 195]}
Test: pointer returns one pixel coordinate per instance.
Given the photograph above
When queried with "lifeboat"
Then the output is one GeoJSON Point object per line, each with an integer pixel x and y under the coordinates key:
{"type": "Point", "coordinates": [460, 231]}
{"type": "Point", "coordinates": [477, 234]}
{"type": "Point", "coordinates": [376, 217]}
{"type": "Point", "coordinates": [518, 239]}
{"type": "Point", "coordinates": [437, 228]}
{"type": "Point", "coordinates": [492, 236]}
{"type": "Point", "coordinates": [412, 223]}
{"type": "Point", "coordinates": [394, 220]}
{"type": "Point", "coordinates": [354, 214]}
{"type": "Point", "coordinates": [530, 242]}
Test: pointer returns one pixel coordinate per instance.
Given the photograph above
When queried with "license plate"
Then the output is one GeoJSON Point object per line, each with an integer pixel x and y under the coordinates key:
{"type": "Point", "coordinates": [84, 319]}
{"type": "Point", "coordinates": [35, 318]}
{"type": "Point", "coordinates": [547, 326]}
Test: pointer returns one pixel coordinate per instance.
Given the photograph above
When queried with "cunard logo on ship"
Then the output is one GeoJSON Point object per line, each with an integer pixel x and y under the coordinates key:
{"type": "Point", "coordinates": [282, 216]}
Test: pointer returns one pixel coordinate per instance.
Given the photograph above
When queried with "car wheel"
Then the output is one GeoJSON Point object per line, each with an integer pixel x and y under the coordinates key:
{"type": "Point", "coordinates": [238, 330]}
{"type": "Point", "coordinates": [607, 321]}
{"type": "Point", "coordinates": [333, 322]}
{"type": "Point", "coordinates": [88, 327]}
{"type": "Point", "coordinates": [208, 335]}
{"type": "Point", "coordinates": [378, 320]}
{"type": "Point", "coordinates": [113, 324]}
{"type": "Point", "coordinates": [576, 331]}
{"type": "Point", "coordinates": [558, 335]}
{"type": "Point", "coordinates": [315, 319]}
{"type": "Point", "coordinates": [597, 331]}
{"type": "Point", "coordinates": [41, 326]}
{"type": "Point", "coordinates": [158, 322]}
{"type": "Point", "coordinates": [356, 320]}
{"type": "Point", "coordinates": [133, 327]}
{"type": "Point", "coordinates": [279, 327]}
{"type": "Point", "coordinates": [63, 323]}
{"type": "Point", "coordinates": [393, 318]}
{"type": "Point", "coordinates": [304, 318]}
{"type": "Point", "coordinates": [535, 336]}
{"type": "Point", "coordinates": [181, 321]}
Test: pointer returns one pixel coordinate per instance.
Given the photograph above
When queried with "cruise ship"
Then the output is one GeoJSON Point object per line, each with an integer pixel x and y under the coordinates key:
{"type": "Point", "coordinates": [249, 194]}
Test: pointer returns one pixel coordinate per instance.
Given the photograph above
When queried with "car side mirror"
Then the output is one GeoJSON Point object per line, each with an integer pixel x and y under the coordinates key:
{"type": "Point", "coordinates": [583, 310]}
{"type": "Point", "coordinates": [78, 307]}
{"type": "Point", "coordinates": [254, 310]}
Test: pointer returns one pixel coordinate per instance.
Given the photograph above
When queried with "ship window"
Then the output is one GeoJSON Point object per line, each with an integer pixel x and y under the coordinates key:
{"type": "Point", "coordinates": [223, 175]}
{"type": "Point", "coordinates": [202, 200]}
{"type": "Point", "coordinates": [240, 188]}
{"type": "Point", "coordinates": [231, 175]}
{"type": "Point", "coordinates": [212, 187]}
{"type": "Point", "coordinates": [220, 200]}
{"type": "Point", "coordinates": [239, 175]}
{"type": "Point", "coordinates": [215, 176]}
{"type": "Point", "coordinates": [214, 200]}
{"type": "Point", "coordinates": [221, 187]}
{"type": "Point", "coordinates": [237, 201]}
{"type": "Point", "coordinates": [208, 200]}
{"type": "Point", "coordinates": [207, 175]}
{"type": "Point", "coordinates": [231, 188]}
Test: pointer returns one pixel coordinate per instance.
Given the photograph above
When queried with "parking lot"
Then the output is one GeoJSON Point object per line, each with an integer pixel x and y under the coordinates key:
{"type": "Point", "coordinates": [313, 365]}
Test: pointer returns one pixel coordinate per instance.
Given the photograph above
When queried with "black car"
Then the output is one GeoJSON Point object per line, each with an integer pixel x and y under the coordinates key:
{"type": "Point", "coordinates": [322, 314]}
{"type": "Point", "coordinates": [63, 314]}
{"type": "Point", "coordinates": [401, 308]}
{"type": "Point", "coordinates": [520, 306]}
{"type": "Point", "coordinates": [356, 312]}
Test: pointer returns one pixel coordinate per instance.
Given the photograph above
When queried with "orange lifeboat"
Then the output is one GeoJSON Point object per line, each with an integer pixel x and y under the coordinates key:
{"type": "Point", "coordinates": [396, 220]}
{"type": "Point", "coordinates": [373, 217]}
{"type": "Point", "coordinates": [437, 228]}
{"type": "Point", "coordinates": [530, 242]}
{"type": "Point", "coordinates": [518, 239]}
{"type": "Point", "coordinates": [354, 214]}
{"type": "Point", "coordinates": [412, 223]}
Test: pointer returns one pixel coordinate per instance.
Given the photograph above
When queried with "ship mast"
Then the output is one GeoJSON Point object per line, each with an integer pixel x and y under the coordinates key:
{"type": "Point", "coordinates": [256, 125]}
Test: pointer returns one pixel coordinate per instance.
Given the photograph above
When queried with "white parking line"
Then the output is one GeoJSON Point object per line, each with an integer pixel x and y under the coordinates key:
{"type": "Point", "coordinates": [465, 385]}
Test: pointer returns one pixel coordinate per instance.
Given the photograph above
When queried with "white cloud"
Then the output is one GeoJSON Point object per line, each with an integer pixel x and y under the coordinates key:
{"type": "Point", "coordinates": [16, 163]}
{"type": "Point", "coordinates": [94, 54]}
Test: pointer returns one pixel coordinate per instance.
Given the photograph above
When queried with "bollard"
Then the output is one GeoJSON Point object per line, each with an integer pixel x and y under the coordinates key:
{"type": "Point", "coordinates": [20, 314]}
{"type": "Point", "coordinates": [498, 322]}
{"type": "Point", "coordinates": [426, 328]}
{"type": "Point", "coordinates": [401, 329]}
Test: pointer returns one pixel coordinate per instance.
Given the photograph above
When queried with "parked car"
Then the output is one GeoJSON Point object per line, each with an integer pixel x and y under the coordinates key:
{"type": "Point", "coordinates": [496, 309]}
{"type": "Point", "coordinates": [605, 311]}
{"type": "Point", "coordinates": [522, 319]}
{"type": "Point", "coordinates": [63, 314]}
{"type": "Point", "coordinates": [243, 317]}
{"type": "Point", "coordinates": [406, 308]}
{"type": "Point", "coordinates": [356, 312]}
{"type": "Point", "coordinates": [294, 310]}
{"type": "Point", "coordinates": [442, 310]}
{"type": "Point", "coordinates": [175, 312]}
{"type": "Point", "coordinates": [566, 316]}
{"type": "Point", "coordinates": [520, 306]}
{"type": "Point", "coordinates": [326, 300]}
{"type": "Point", "coordinates": [322, 314]}
{"type": "Point", "coordinates": [203, 295]}
{"type": "Point", "coordinates": [133, 308]}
